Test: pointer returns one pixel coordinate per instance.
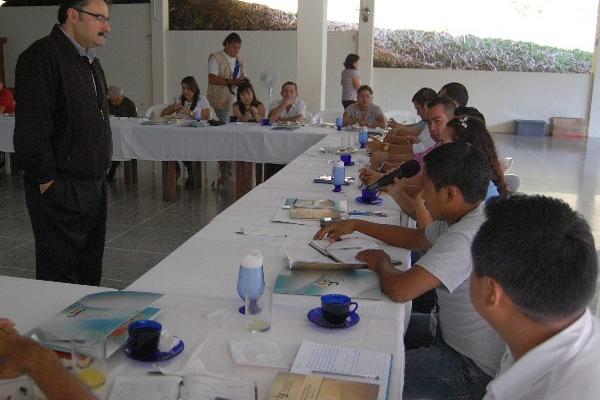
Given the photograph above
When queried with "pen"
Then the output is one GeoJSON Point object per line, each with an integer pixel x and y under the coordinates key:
{"type": "Point", "coordinates": [364, 376]}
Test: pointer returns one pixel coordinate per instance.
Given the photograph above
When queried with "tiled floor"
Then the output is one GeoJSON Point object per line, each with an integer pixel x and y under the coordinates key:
{"type": "Point", "coordinates": [143, 229]}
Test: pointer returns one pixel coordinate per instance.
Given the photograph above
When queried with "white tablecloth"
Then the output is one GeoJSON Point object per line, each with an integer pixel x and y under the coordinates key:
{"type": "Point", "coordinates": [199, 278]}
{"type": "Point", "coordinates": [230, 142]}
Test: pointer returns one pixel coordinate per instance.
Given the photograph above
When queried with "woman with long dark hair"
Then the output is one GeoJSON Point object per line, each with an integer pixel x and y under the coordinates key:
{"type": "Point", "coordinates": [350, 80]}
{"type": "Point", "coordinates": [247, 107]}
{"type": "Point", "coordinates": [190, 102]}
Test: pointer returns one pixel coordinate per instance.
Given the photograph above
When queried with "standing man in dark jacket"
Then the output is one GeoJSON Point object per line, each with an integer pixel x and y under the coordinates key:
{"type": "Point", "coordinates": [63, 143]}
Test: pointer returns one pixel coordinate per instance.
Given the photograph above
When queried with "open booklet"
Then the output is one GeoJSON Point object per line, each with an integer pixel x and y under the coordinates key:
{"type": "Point", "coordinates": [189, 387]}
{"type": "Point", "coordinates": [96, 316]}
{"type": "Point", "coordinates": [371, 368]}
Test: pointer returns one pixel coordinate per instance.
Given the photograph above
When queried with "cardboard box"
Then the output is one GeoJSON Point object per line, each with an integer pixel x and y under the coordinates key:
{"type": "Point", "coordinates": [568, 127]}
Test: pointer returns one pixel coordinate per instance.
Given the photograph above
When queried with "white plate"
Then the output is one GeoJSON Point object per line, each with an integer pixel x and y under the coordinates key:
{"type": "Point", "coordinates": [339, 149]}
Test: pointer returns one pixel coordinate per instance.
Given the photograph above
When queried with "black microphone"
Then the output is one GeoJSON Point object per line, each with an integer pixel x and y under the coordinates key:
{"type": "Point", "coordinates": [406, 170]}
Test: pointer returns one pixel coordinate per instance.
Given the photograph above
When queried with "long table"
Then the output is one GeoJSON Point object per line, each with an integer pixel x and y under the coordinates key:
{"type": "Point", "coordinates": [244, 143]}
{"type": "Point", "coordinates": [199, 283]}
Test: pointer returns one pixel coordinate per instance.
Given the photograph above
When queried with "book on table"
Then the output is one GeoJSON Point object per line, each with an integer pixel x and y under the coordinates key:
{"type": "Point", "coordinates": [309, 211]}
{"type": "Point", "coordinates": [188, 387]}
{"type": "Point", "coordinates": [333, 268]}
{"type": "Point", "coordinates": [328, 372]}
{"type": "Point", "coordinates": [96, 316]}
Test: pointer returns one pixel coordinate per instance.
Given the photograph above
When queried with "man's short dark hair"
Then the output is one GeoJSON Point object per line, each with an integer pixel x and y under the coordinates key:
{"type": "Point", "coordinates": [541, 252]}
{"type": "Point", "coordinates": [363, 88]}
{"type": "Point", "coordinates": [462, 166]}
{"type": "Point", "coordinates": [424, 96]}
{"type": "Point", "coordinates": [66, 4]}
{"type": "Point", "coordinates": [232, 38]}
{"type": "Point", "coordinates": [289, 83]}
{"type": "Point", "coordinates": [447, 102]}
{"type": "Point", "coordinates": [457, 92]}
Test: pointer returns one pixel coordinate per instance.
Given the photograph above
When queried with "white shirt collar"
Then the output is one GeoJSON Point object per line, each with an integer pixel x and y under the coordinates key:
{"type": "Point", "coordinates": [515, 378]}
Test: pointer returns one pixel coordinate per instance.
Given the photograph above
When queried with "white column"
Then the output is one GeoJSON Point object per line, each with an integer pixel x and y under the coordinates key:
{"type": "Point", "coordinates": [594, 120]}
{"type": "Point", "coordinates": [159, 16]}
{"type": "Point", "coordinates": [365, 41]}
{"type": "Point", "coordinates": [311, 44]}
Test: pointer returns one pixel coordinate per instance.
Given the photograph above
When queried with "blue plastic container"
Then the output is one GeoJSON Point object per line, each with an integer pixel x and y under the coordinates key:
{"type": "Point", "coordinates": [529, 127]}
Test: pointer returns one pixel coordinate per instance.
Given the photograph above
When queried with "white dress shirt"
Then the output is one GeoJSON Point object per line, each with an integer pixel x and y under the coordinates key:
{"type": "Point", "coordinates": [566, 366]}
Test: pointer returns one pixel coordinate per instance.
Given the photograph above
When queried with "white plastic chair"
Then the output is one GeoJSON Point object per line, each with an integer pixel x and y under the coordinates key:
{"type": "Point", "coordinates": [157, 108]}
{"type": "Point", "coordinates": [402, 117]}
{"type": "Point", "coordinates": [513, 182]}
{"type": "Point", "coordinates": [328, 116]}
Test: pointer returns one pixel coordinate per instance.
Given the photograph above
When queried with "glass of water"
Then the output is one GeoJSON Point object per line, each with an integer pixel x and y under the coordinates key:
{"type": "Point", "coordinates": [89, 361]}
{"type": "Point", "coordinates": [258, 310]}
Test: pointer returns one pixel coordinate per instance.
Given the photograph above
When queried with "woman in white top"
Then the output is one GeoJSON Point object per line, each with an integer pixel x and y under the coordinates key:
{"type": "Point", "coordinates": [190, 102]}
{"type": "Point", "coordinates": [364, 112]}
{"type": "Point", "coordinates": [350, 80]}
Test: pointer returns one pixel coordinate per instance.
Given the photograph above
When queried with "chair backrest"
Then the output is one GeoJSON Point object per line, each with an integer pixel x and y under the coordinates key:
{"type": "Point", "coordinates": [513, 182]}
{"type": "Point", "coordinates": [155, 109]}
{"type": "Point", "coordinates": [402, 117]}
{"type": "Point", "coordinates": [328, 116]}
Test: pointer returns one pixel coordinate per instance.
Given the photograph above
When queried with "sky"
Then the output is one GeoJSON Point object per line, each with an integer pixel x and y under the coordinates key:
{"type": "Point", "coordinates": [559, 23]}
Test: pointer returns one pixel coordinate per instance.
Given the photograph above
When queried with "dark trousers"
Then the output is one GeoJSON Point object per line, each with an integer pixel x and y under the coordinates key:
{"type": "Point", "coordinates": [69, 226]}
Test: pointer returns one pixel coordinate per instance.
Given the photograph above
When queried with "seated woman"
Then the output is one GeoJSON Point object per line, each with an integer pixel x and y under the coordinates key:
{"type": "Point", "coordinates": [364, 112]}
{"type": "Point", "coordinates": [190, 102]}
{"type": "Point", "coordinates": [247, 108]}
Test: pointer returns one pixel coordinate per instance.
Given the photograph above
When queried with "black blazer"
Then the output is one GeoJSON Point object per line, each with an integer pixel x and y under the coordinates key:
{"type": "Point", "coordinates": [62, 125]}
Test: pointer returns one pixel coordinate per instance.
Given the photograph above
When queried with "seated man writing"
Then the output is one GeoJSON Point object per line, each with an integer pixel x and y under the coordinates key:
{"type": "Point", "coordinates": [290, 108]}
{"type": "Point", "coordinates": [461, 353]}
{"type": "Point", "coordinates": [534, 273]}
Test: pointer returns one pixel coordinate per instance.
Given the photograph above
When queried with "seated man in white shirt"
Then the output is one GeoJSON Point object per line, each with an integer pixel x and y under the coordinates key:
{"type": "Point", "coordinates": [458, 359]}
{"type": "Point", "coordinates": [290, 107]}
{"type": "Point", "coordinates": [534, 272]}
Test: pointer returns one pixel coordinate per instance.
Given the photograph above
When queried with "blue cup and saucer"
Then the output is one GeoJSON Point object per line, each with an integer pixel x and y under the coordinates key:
{"type": "Point", "coordinates": [369, 196]}
{"type": "Point", "coordinates": [147, 341]}
{"type": "Point", "coordinates": [337, 311]}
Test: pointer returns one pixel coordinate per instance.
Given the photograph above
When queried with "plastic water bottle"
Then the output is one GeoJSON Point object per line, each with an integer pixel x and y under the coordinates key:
{"type": "Point", "coordinates": [339, 122]}
{"type": "Point", "coordinates": [363, 137]}
{"type": "Point", "coordinates": [251, 276]}
{"type": "Point", "coordinates": [338, 174]}
{"type": "Point", "coordinates": [198, 115]}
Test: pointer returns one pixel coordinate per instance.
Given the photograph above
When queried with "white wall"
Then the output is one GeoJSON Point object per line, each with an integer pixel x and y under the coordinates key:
{"type": "Point", "coordinates": [188, 53]}
{"type": "Point", "coordinates": [501, 96]}
{"type": "Point", "coordinates": [126, 58]}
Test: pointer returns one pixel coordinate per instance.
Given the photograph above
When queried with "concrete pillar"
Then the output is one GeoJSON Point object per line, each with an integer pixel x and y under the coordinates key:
{"type": "Point", "coordinates": [159, 16]}
{"type": "Point", "coordinates": [311, 44]}
{"type": "Point", "coordinates": [365, 41]}
{"type": "Point", "coordinates": [594, 119]}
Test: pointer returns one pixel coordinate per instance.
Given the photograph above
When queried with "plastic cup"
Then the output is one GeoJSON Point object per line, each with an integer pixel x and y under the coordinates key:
{"type": "Point", "coordinates": [258, 311]}
{"type": "Point", "coordinates": [89, 361]}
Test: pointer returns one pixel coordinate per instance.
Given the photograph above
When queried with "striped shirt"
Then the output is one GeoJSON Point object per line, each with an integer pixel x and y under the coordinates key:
{"type": "Point", "coordinates": [349, 92]}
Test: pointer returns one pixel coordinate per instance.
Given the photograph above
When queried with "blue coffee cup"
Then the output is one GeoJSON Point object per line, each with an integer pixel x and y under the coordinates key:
{"type": "Point", "coordinates": [346, 158]}
{"type": "Point", "coordinates": [337, 307]}
{"type": "Point", "coordinates": [144, 336]}
{"type": "Point", "coordinates": [266, 122]}
{"type": "Point", "coordinates": [369, 196]}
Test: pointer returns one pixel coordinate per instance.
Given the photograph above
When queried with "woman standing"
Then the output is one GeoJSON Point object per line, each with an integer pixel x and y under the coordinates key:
{"type": "Point", "coordinates": [350, 80]}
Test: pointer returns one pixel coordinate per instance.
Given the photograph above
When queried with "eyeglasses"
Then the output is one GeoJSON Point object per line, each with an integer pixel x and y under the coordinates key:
{"type": "Point", "coordinates": [99, 17]}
